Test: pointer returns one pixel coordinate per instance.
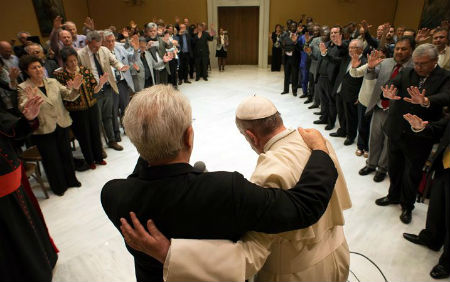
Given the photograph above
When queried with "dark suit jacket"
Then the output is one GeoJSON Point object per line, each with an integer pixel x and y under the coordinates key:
{"type": "Point", "coordinates": [290, 46]}
{"type": "Point", "coordinates": [186, 203]}
{"type": "Point", "coordinates": [350, 85]}
{"type": "Point", "coordinates": [437, 88]}
{"type": "Point", "coordinates": [50, 66]}
{"type": "Point", "coordinates": [332, 60]}
{"type": "Point", "coordinates": [201, 48]}
{"type": "Point", "coordinates": [189, 43]}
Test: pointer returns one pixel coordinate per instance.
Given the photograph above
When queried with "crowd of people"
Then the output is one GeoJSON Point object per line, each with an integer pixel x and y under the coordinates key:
{"type": "Point", "coordinates": [390, 92]}
{"type": "Point", "coordinates": [383, 90]}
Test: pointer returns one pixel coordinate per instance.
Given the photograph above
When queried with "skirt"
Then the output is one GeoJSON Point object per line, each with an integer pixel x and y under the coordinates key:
{"type": "Point", "coordinates": [221, 53]}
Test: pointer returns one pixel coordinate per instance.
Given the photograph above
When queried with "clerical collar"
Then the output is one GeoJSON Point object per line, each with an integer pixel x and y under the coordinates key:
{"type": "Point", "coordinates": [276, 138]}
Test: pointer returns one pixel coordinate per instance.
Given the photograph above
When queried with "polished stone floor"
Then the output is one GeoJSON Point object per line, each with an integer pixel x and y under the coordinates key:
{"type": "Point", "coordinates": [91, 249]}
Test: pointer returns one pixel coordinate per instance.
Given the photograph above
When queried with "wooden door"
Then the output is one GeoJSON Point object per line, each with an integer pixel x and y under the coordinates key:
{"type": "Point", "coordinates": [242, 24]}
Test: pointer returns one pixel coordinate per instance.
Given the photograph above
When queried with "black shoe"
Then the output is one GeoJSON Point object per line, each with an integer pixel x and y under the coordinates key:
{"type": "Point", "coordinates": [75, 184]}
{"type": "Point", "coordinates": [197, 79]}
{"type": "Point", "coordinates": [205, 79]}
{"type": "Point", "coordinates": [338, 133]}
{"type": "Point", "coordinates": [118, 138]}
{"type": "Point", "coordinates": [320, 121]}
{"type": "Point", "coordinates": [405, 217]}
{"type": "Point", "coordinates": [439, 272]}
{"type": "Point", "coordinates": [318, 113]}
{"type": "Point", "coordinates": [348, 141]}
{"type": "Point", "coordinates": [413, 238]}
{"type": "Point", "coordinates": [329, 127]}
{"type": "Point", "coordinates": [379, 176]}
{"type": "Point", "coordinates": [313, 106]}
{"type": "Point", "coordinates": [186, 81]}
{"type": "Point", "coordinates": [180, 82]}
{"type": "Point", "coordinates": [366, 170]}
{"type": "Point", "coordinates": [386, 201]}
{"type": "Point", "coordinates": [284, 92]}
{"type": "Point", "coordinates": [295, 94]}
{"type": "Point", "coordinates": [308, 101]}
{"type": "Point", "coordinates": [303, 96]}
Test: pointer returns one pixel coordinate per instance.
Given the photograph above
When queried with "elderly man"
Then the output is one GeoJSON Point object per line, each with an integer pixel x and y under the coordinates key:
{"type": "Point", "coordinates": [100, 60]}
{"type": "Point", "coordinates": [78, 40]}
{"type": "Point", "coordinates": [157, 48]}
{"type": "Point", "coordinates": [59, 38]}
{"type": "Point", "coordinates": [22, 36]}
{"type": "Point", "coordinates": [187, 203]}
{"type": "Point", "coordinates": [440, 40]}
{"type": "Point", "coordinates": [422, 91]}
{"type": "Point", "coordinates": [316, 253]}
{"type": "Point", "coordinates": [50, 66]}
{"type": "Point", "coordinates": [6, 55]}
{"type": "Point", "coordinates": [379, 107]}
{"type": "Point", "coordinates": [185, 54]}
{"type": "Point", "coordinates": [123, 79]}
{"type": "Point", "coordinates": [142, 70]}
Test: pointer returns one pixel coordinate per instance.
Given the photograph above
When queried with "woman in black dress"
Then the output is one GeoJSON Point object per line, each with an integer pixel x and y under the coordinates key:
{"type": "Point", "coordinates": [276, 48]}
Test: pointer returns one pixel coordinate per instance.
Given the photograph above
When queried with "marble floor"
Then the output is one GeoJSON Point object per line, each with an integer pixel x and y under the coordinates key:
{"type": "Point", "coordinates": [91, 249]}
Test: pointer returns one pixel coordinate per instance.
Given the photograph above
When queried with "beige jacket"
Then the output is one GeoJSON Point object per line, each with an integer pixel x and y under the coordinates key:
{"type": "Point", "coordinates": [444, 59]}
{"type": "Point", "coordinates": [107, 59]}
{"type": "Point", "coordinates": [52, 111]}
{"type": "Point", "coordinates": [316, 253]}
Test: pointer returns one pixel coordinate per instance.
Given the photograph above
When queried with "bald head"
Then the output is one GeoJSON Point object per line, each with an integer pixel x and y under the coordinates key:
{"type": "Point", "coordinates": [71, 27]}
{"type": "Point", "coordinates": [5, 49]}
{"type": "Point", "coordinates": [66, 38]}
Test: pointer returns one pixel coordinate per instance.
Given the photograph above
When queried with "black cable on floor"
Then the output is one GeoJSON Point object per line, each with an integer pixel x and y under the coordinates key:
{"type": "Point", "coordinates": [356, 253]}
{"type": "Point", "coordinates": [354, 275]}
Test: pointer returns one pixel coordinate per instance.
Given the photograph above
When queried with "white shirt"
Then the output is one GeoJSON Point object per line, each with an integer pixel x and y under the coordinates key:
{"type": "Point", "coordinates": [94, 66]}
{"type": "Point", "coordinates": [12, 62]}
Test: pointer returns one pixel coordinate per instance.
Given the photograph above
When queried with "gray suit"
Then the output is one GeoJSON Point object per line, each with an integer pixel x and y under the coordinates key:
{"type": "Point", "coordinates": [378, 151]}
{"type": "Point", "coordinates": [139, 76]}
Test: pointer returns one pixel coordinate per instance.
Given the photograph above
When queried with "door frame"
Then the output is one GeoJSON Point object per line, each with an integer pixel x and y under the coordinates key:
{"type": "Point", "coordinates": [264, 8]}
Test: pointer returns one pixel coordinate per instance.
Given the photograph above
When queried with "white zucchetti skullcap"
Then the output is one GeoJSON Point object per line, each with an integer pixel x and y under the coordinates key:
{"type": "Point", "coordinates": [255, 107]}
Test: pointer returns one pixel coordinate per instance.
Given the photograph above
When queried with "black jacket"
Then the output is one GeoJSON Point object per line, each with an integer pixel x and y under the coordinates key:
{"type": "Point", "coordinates": [329, 64]}
{"type": "Point", "coordinates": [201, 48]}
{"type": "Point", "coordinates": [350, 86]}
{"type": "Point", "coordinates": [186, 203]}
{"type": "Point", "coordinates": [189, 43]}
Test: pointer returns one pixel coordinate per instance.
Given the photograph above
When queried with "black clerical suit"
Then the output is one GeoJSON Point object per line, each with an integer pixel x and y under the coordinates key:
{"type": "Point", "coordinates": [185, 53]}
{"type": "Point", "coordinates": [327, 71]}
{"type": "Point", "coordinates": [186, 203]}
{"type": "Point", "coordinates": [408, 151]}
{"type": "Point", "coordinates": [201, 54]}
{"type": "Point", "coordinates": [291, 53]}
{"type": "Point", "coordinates": [437, 229]}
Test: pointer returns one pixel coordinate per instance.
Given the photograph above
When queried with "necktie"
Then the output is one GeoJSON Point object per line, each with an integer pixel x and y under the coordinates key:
{"type": "Point", "coordinates": [385, 102]}
{"type": "Point", "coordinates": [421, 82]}
{"type": "Point", "coordinates": [98, 66]}
{"type": "Point", "coordinates": [446, 157]}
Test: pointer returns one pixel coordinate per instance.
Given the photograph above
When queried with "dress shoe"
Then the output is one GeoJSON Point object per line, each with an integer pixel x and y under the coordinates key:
{"type": "Point", "coordinates": [366, 170]}
{"type": "Point", "coordinates": [358, 152]}
{"type": "Point", "coordinates": [366, 154]}
{"type": "Point", "coordinates": [180, 82]}
{"type": "Point", "coordinates": [386, 201]}
{"type": "Point", "coordinates": [337, 134]}
{"type": "Point", "coordinates": [101, 163]}
{"type": "Point", "coordinates": [284, 92]}
{"type": "Point", "coordinates": [118, 138]}
{"type": "Point", "coordinates": [295, 94]}
{"type": "Point", "coordinates": [75, 184]}
{"type": "Point", "coordinates": [197, 78]}
{"type": "Point", "coordinates": [205, 79]}
{"type": "Point", "coordinates": [405, 217]}
{"type": "Point", "coordinates": [413, 238]}
{"type": "Point", "coordinates": [348, 141]}
{"type": "Point", "coordinates": [187, 81]}
{"type": "Point", "coordinates": [317, 113]}
{"type": "Point", "coordinates": [439, 272]}
{"type": "Point", "coordinates": [104, 155]}
{"type": "Point", "coordinates": [308, 101]}
{"type": "Point", "coordinates": [320, 121]}
{"type": "Point", "coordinates": [329, 127]}
{"type": "Point", "coordinates": [379, 176]}
{"type": "Point", "coordinates": [303, 96]}
{"type": "Point", "coordinates": [81, 167]}
{"type": "Point", "coordinates": [115, 146]}
{"type": "Point", "coordinates": [313, 106]}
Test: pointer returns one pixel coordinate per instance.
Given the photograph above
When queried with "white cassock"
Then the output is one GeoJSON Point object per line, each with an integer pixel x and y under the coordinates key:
{"type": "Point", "coordinates": [315, 253]}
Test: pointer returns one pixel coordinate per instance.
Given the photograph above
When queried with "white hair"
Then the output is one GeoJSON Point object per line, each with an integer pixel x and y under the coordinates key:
{"type": "Point", "coordinates": [152, 25]}
{"type": "Point", "coordinates": [426, 49]}
{"type": "Point", "coordinates": [359, 43]}
{"type": "Point", "coordinates": [156, 120]}
{"type": "Point", "coordinates": [27, 48]}
{"type": "Point", "coordinates": [107, 33]}
{"type": "Point", "coordinates": [93, 35]}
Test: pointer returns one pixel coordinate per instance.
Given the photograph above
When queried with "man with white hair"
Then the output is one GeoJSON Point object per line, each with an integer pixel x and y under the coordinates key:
{"type": "Point", "coordinates": [315, 253]}
{"type": "Point", "coordinates": [187, 203]}
{"type": "Point", "coordinates": [422, 91]}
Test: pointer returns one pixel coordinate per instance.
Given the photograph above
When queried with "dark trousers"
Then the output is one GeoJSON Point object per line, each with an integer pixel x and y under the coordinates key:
{"type": "Point", "coordinates": [340, 110]}
{"type": "Point", "coordinates": [120, 102]}
{"type": "Point", "coordinates": [173, 79]}
{"type": "Point", "coordinates": [290, 73]}
{"type": "Point", "coordinates": [148, 82]}
{"type": "Point", "coordinates": [311, 85]}
{"type": "Point", "coordinates": [406, 160]}
{"type": "Point", "coordinates": [191, 67]}
{"type": "Point", "coordinates": [201, 67]}
{"type": "Point", "coordinates": [161, 76]}
{"type": "Point", "coordinates": [85, 127]}
{"type": "Point", "coordinates": [304, 78]}
{"type": "Point", "coordinates": [105, 103]}
{"type": "Point", "coordinates": [57, 159]}
{"type": "Point", "coordinates": [351, 119]}
{"type": "Point", "coordinates": [437, 229]}
{"type": "Point", "coordinates": [363, 128]}
{"type": "Point", "coordinates": [327, 100]}
{"type": "Point", "coordinates": [184, 66]}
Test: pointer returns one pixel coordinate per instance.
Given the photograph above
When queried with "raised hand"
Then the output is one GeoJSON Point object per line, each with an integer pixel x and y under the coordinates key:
{"type": "Point", "coordinates": [323, 48]}
{"type": "Point", "coordinates": [57, 22]}
{"type": "Point", "coordinates": [103, 79]}
{"type": "Point", "coordinates": [373, 59]}
{"type": "Point", "coordinates": [386, 27]}
{"type": "Point", "coordinates": [423, 34]}
{"type": "Point", "coordinates": [89, 23]}
{"type": "Point", "coordinates": [416, 122]}
{"type": "Point", "coordinates": [135, 42]}
{"type": "Point", "coordinates": [151, 242]}
{"type": "Point", "coordinates": [390, 92]}
{"type": "Point", "coordinates": [133, 24]}
{"type": "Point", "coordinates": [416, 96]}
{"type": "Point", "coordinates": [167, 57]}
{"type": "Point", "coordinates": [365, 26]}
{"type": "Point", "coordinates": [32, 107]}
{"type": "Point", "coordinates": [30, 92]}
{"type": "Point", "coordinates": [356, 61]}
{"type": "Point", "coordinates": [125, 33]}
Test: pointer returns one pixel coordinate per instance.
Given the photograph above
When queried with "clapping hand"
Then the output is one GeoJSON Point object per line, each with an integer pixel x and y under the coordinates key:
{"type": "Point", "coordinates": [124, 68]}
{"type": "Point", "coordinates": [390, 92]}
{"type": "Point", "coordinates": [13, 74]}
{"type": "Point", "coordinates": [416, 96]}
{"type": "Point", "coordinates": [323, 48]}
{"type": "Point", "coordinates": [32, 107]}
{"type": "Point", "coordinates": [416, 122]}
{"type": "Point", "coordinates": [365, 26]}
{"type": "Point", "coordinates": [167, 57]}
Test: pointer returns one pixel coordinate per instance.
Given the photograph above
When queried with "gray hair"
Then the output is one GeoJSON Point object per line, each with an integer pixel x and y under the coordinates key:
{"type": "Point", "coordinates": [93, 35]}
{"type": "Point", "coordinates": [142, 39]}
{"type": "Point", "coordinates": [107, 33]}
{"type": "Point", "coordinates": [263, 126]}
{"type": "Point", "coordinates": [426, 49]}
{"type": "Point", "coordinates": [156, 120]}
{"type": "Point", "coordinates": [152, 25]}
{"type": "Point", "coordinates": [27, 48]}
{"type": "Point", "coordinates": [19, 33]}
{"type": "Point", "coordinates": [359, 43]}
